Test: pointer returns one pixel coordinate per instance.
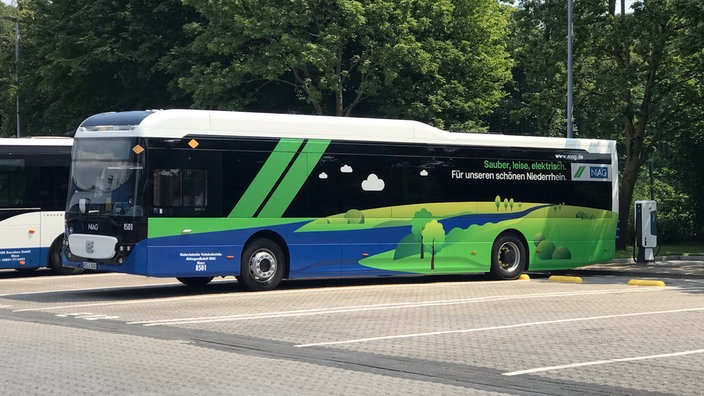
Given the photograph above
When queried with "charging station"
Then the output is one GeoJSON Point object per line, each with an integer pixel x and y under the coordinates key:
{"type": "Point", "coordinates": [646, 230]}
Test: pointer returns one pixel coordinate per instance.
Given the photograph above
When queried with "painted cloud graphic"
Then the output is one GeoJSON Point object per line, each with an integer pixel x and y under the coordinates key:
{"type": "Point", "coordinates": [323, 175]}
{"type": "Point", "coordinates": [424, 173]}
{"type": "Point", "coordinates": [373, 183]}
{"type": "Point", "coordinates": [346, 169]}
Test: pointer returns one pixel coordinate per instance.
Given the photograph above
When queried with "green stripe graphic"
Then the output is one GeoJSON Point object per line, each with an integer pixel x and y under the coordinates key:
{"type": "Point", "coordinates": [266, 178]}
{"type": "Point", "coordinates": [579, 172]}
{"type": "Point", "coordinates": [294, 179]}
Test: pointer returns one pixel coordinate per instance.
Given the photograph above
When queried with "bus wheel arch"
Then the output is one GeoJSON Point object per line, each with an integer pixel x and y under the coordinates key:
{"type": "Point", "coordinates": [509, 255]}
{"type": "Point", "coordinates": [54, 260]}
{"type": "Point", "coordinates": [264, 261]}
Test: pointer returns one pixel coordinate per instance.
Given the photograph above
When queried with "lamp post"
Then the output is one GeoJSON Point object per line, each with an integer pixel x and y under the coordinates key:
{"type": "Point", "coordinates": [17, 65]}
{"type": "Point", "coordinates": [569, 69]}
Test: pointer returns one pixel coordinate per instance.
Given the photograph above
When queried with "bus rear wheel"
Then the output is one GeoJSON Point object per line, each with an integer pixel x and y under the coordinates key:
{"type": "Point", "coordinates": [195, 281]}
{"type": "Point", "coordinates": [262, 265]}
{"type": "Point", "coordinates": [508, 257]}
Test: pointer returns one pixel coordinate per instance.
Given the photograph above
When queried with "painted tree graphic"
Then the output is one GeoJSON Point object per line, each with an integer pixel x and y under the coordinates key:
{"type": "Point", "coordinates": [420, 219]}
{"type": "Point", "coordinates": [354, 216]}
{"type": "Point", "coordinates": [497, 200]}
{"type": "Point", "coordinates": [435, 233]}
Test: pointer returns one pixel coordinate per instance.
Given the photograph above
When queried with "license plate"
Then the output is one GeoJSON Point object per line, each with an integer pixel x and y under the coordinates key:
{"type": "Point", "coordinates": [90, 266]}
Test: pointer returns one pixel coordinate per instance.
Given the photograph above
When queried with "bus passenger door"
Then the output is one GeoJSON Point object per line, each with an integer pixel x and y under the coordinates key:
{"type": "Point", "coordinates": [187, 237]}
{"type": "Point", "coordinates": [19, 215]}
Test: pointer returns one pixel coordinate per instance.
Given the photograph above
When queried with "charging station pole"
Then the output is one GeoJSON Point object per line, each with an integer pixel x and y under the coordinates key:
{"type": "Point", "coordinates": [646, 230]}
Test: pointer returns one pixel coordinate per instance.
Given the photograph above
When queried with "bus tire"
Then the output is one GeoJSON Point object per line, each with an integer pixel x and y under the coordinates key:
{"type": "Point", "coordinates": [262, 265]}
{"type": "Point", "coordinates": [55, 261]}
{"type": "Point", "coordinates": [508, 256]}
{"type": "Point", "coordinates": [195, 281]}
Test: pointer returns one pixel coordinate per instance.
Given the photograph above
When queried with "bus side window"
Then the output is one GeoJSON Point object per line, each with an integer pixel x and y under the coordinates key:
{"type": "Point", "coordinates": [180, 188]}
{"type": "Point", "coordinates": [53, 186]}
{"type": "Point", "coordinates": [15, 178]}
{"type": "Point", "coordinates": [4, 191]}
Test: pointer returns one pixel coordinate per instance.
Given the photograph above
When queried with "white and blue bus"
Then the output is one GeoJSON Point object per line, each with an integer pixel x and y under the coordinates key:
{"type": "Point", "coordinates": [33, 188]}
{"type": "Point", "coordinates": [196, 194]}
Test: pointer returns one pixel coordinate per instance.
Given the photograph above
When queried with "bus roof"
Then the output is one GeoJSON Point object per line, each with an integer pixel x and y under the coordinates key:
{"type": "Point", "coordinates": [176, 124]}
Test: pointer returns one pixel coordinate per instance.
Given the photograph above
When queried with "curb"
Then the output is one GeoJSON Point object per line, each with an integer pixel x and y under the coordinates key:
{"type": "Point", "coordinates": [677, 267]}
{"type": "Point", "coordinates": [660, 258]}
{"type": "Point", "coordinates": [640, 272]}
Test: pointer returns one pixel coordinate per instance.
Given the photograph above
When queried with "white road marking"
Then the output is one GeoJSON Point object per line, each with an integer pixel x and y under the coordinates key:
{"type": "Point", "coordinates": [378, 307]}
{"type": "Point", "coordinates": [84, 289]}
{"type": "Point", "coordinates": [103, 304]}
{"type": "Point", "coordinates": [598, 362]}
{"type": "Point", "coordinates": [53, 278]}
{"type": "Point", "coordinates": [88, 316]}
{"type": "Point", "coordinates": [511, 326]}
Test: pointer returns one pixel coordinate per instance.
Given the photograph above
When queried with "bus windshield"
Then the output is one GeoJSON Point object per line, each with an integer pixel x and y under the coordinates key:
{"type": "Point", "coordinates": [104, 177]}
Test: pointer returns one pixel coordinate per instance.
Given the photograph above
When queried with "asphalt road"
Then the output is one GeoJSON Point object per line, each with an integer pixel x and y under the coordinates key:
{"type": "Point", "coordinates": [114, 334]}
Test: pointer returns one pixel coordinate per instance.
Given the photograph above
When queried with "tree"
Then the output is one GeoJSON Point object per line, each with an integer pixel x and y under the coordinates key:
{"type": "Point", "coordinates": [435, 233]}
{"type": "Point", "coordinates": [420, 219]}
{"type": "Point", "coordinates": [683, 111]}
{"type": "Point", "coordinates": [85, 57]}
{"type": "Point", "coordinates": [442, 61]}
{"type": "Point", "coordinates": [8, 86]}
{"type": "Point", "coordinates": [452, 67]}
{"type": "Point", "coordinates": [629, 69]}
{"type": "Point", "coordinates": [354, 216]}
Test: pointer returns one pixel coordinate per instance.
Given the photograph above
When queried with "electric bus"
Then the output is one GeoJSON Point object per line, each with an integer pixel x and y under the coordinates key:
{"type": "Point", "coordinates": [196, 194]}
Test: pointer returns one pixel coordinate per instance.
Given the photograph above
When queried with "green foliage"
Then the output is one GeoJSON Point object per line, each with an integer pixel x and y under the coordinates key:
{"type": "Point", "coordinates": [545, 249]}
{"type": "Point", "coordinates": [562, 253]}
{"type": "Point", "coordinates": [685, 171]}
{"type": "Point", "coordinates": [420, 219]}
{"type": "Point", "coordinates": [8, 85]}
{"type": "Point", "coordinates": [537, 238]}
{"type": "Point", "coordinates": [434, 237]}
{"type": "Point", "coordinates": [354, 216]}
{"type": "Point", "coordinates": [85, 57]}
{"type": "Point", "coordinates": [675, 222]}
{"type": "Point", "coordinates": [637, 77]}
{"type": "Point", "coordinates": [434, 233]}
{"type": "Point", "coordinates": [442, 62]}
{"type": "Point", "coordinates": [407, 247]}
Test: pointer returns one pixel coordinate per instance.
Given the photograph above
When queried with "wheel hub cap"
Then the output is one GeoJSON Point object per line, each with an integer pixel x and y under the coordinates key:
{"type": "Point", "coordinates": [262, 265]}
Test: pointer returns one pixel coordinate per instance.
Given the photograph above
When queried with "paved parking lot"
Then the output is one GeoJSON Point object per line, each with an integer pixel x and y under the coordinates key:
{"type": "Point", "coordinates": [119, 334]}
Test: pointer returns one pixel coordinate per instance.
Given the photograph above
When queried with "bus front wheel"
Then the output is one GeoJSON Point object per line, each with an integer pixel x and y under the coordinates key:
{"type": "Point", "coordinates": [55, 261]}
{"type": "Point", "coordinates": [262, 265]}
{"type": "Point", "coordinates": [508, 257]}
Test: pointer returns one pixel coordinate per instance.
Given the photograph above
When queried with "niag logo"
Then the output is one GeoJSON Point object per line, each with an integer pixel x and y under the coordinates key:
{"type": "Point", "coordinates": [591, 172]}
{"type": "Point", "coordinates": [598, 172]}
